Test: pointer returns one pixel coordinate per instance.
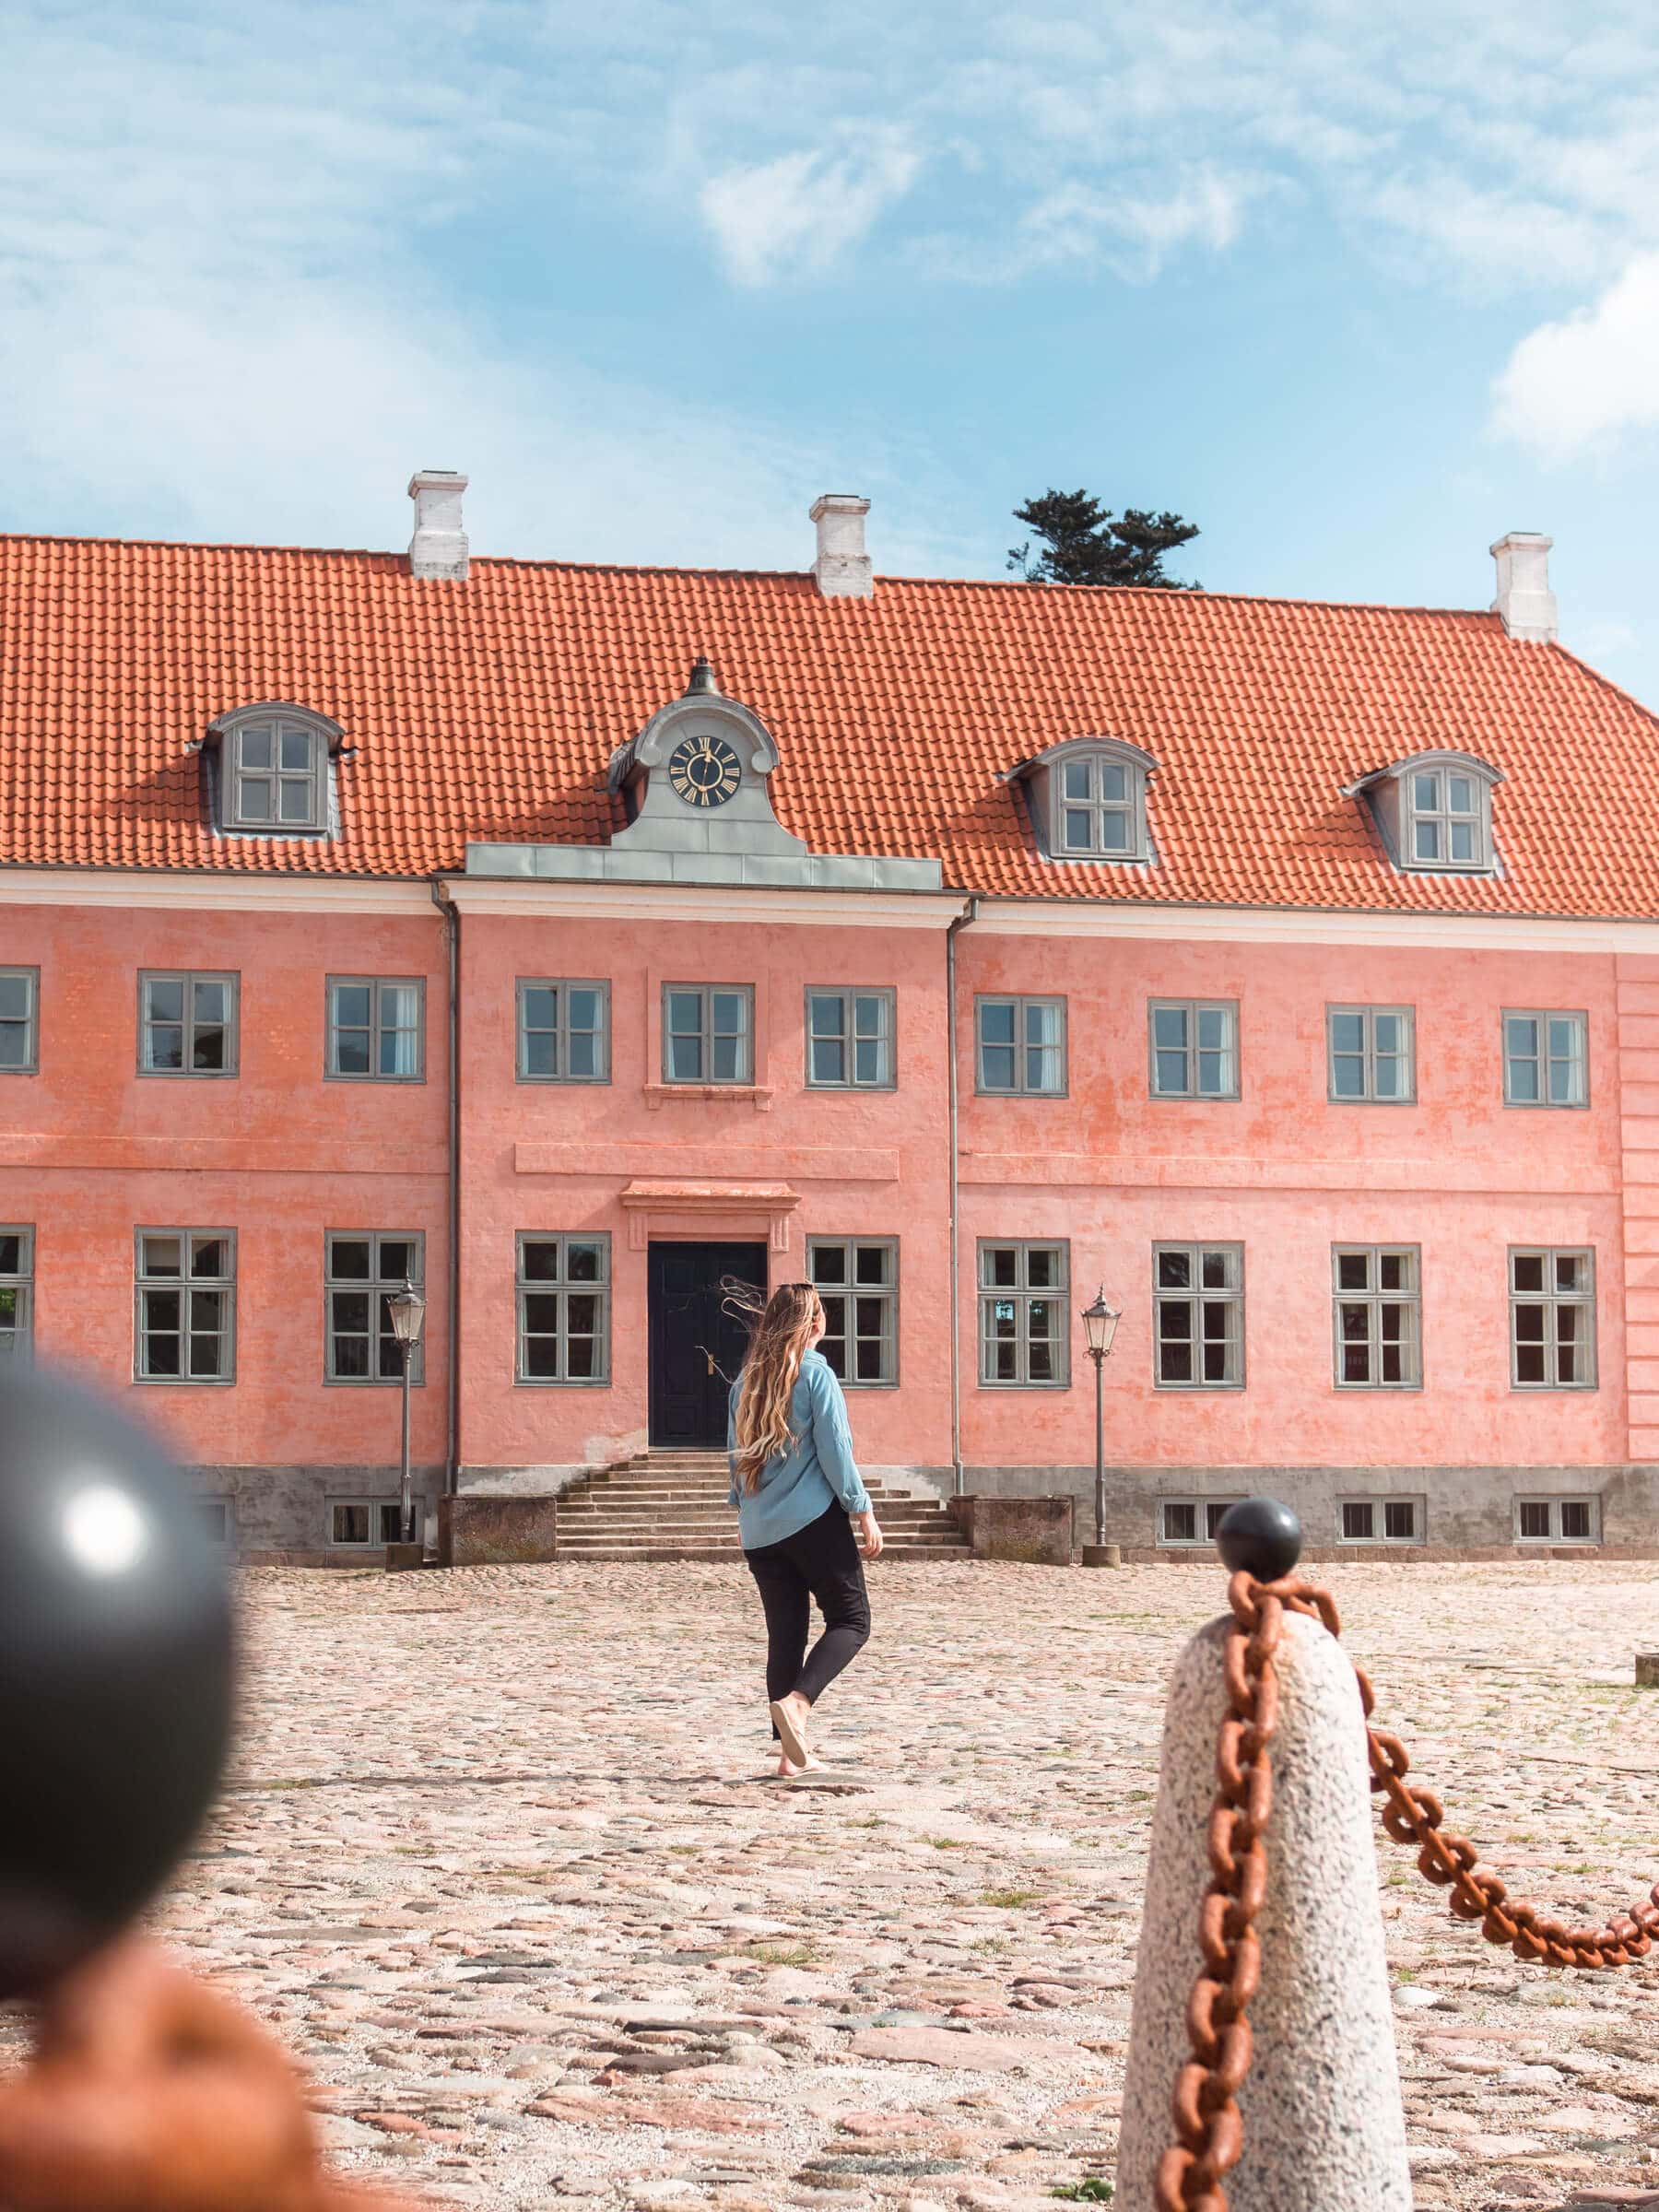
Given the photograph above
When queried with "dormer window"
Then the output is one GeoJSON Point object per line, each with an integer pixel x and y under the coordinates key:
{"type": "Point", "coordinates": [1435, 811]}
{"type": "Point", "coordinates": [273, 770]}
{"type": "Point", "coordinates": [1088, 799]}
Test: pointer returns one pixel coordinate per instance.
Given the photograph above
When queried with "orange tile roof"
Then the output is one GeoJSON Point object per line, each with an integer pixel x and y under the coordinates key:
{"type": "Point", "coordinates": [489, 710]}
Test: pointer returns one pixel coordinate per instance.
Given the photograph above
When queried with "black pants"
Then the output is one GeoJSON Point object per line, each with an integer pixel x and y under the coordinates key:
{"type": "Point", "coordinates": [820, 1560]}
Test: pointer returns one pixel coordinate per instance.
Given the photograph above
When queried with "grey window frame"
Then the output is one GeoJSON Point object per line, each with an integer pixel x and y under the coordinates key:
{"type": "Point", "coordinates": [1205, 1512]}
{"type": "Point", "coordinates": [1191, 1050]}
{"type": "Point", "coordinates": [561, 1286]}
{"type": "Point", "coordinates": [1411, 814]}
{"type": "Point", "coordinates": [189, 978]}
{"type": "Point", "coordinates": [1544, 1059]}
{"type": "Point", "coordinates": [1553, 1300]}
{"type": "Point", "coordinates": [852, 1291]}
{"type": "Point", "coordinates": [31, 979]}
{"type": "Point", "coordinates": [1195, 1295]}
{"type": "Point", "coordinates": [17, 1342]}
{"type": "Point", "coordinates": [1133, 806]}
{"type": "Point", "coordinates": [1374, 1298]}
{"type": "Point", "coordinates": [235, 731]}
{"type": "Point", "coordinates": [706, 993]}
{"type": "Point", "coordinates": [384, 1506]}
{"type": "Point", "coordinates": [1553, 1501]}
{"type": "Point", "coordinates": [1022, 1293]}
{"type": "Point", "coordinates": [1379, 1504]}
{"type": "Point", "coordinates": [1369, 1096]}
{"type": "Point", "coordinates": [185, 1282]}
{"type": "Point", "coordinates": [561, 1031]}
{"type": "Point", "coordinates": [887, 998]}
{"type": "Point", "coordinates": [379, 1287]}
{"type": "Point", "coordinates": [375, 984]}
{"type": "Point", "coordinates": [1020, 1002]}
{"type": "Point", "coordinates": [226, 1537]}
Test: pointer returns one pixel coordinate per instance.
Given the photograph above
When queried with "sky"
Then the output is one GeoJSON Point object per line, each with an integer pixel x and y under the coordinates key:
{"type": "Point", "coordinates": [1356, 288]}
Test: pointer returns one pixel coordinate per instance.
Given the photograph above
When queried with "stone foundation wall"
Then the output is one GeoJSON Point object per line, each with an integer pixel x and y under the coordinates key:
{"type": "Point", "coordinates": [497, 1532]}
{"type": "Point", "coordinates": [1034, 1530]}
{"type": "Point", "coordinates": [279, 1516]}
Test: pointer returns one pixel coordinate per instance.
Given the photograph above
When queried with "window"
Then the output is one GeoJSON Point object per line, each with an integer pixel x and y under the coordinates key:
{"type": "Point", "coordinates": [369, 1523]}
{"type": "Point", "coordinates": [187, 1025]}
{"type": "Point", "coordinates": [186, 1305]}
{"type": "Point", "coordinates": [1545, 1060]}
{"type": "Point", "coordinates": [20, 1000]}
{"type": "Point", "coordinates": [1191, 1520]}
{"type": "Point", "coordinates": [1021, 1045]}
{"type": "Point", "coordinates": [850, 1040]}
{"type": "Point", "coordinates": [563, 1032]}
{"type": "Point", "coordinates": [1194, 1048]}
{"type": "Point", "coordinates": [275, 775]}
{"type": "Point", "coordinates": [1446, 819]}
{"type": "Point", "coordinates": [1198, 1294]}
{"type": "Point", "coordinates": [1372, 1054]}
{"type": "Point", "coordinates": [214, 1516]}
{"type": "Point", "coordinates": [1100, 807]}
{"type": "Point", "coordinates": [563, 1309]}
{"type": "Point", "coordinates": [1381, 1520]}
{"type": "Point", "coordinates": [857, 1281]}
{"type": "Point", "coordinates": [1023, 1333]}
{"type": "Point", "coordinates": [1552, 1319]}
{"type": "Point", "coordinates": [708, 1033]}
{"type": "Point", "coordinates": [1558, 1520]}
{"type": "Point", "coordinates": [376, 1028]}
{"type": "Point", "coordinates": [362, 1270]}
{"type": "Point", "coordinates": [16, 1287]}
{"type": "Point", "coordinates": [1378, 1307]}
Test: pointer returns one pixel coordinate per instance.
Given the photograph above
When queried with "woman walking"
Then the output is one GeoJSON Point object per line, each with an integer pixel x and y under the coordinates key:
{"type": "Point", "coordinates": [803, 1516]}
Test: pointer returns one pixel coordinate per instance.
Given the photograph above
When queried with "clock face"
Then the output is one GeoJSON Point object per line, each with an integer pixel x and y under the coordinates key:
{"type": "Point", "coordinates": [704, 770]}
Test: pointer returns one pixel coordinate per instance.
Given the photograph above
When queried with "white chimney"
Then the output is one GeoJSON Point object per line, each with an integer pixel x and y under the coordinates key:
{"type": "Point", "coordinates": [1524, 598]}
{"type": "Point", "coordinates": [439, 545]}
{"type": "Point", "coordinates": [842, 567]}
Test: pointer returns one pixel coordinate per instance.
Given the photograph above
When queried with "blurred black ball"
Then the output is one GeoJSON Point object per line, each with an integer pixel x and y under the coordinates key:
{"type": "Point", "coordinates": [1259, 1536]}
{"type": "Point", "coordinates": [116, 1654]}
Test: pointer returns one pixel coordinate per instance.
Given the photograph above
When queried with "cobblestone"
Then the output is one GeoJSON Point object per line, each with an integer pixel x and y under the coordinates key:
{"type": "Point", "coordinates": [501, 1864]}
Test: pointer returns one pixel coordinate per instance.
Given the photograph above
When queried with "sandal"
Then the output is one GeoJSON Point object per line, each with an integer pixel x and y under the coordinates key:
{"type": "Point", "coordinates": [790, 1734]}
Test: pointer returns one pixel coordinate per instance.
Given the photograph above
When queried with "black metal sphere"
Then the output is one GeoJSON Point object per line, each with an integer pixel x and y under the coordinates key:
{"type": "Point", "coordinates": [1260, 1536]}
{"type": "Point", "coordinates": [116, 1652]}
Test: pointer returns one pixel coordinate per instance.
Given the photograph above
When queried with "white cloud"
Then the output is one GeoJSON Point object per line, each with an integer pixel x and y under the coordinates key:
{"type": "Point", "coordinates": [799, 214]}
{"type": "Point", "coordinates": [1576, 385]}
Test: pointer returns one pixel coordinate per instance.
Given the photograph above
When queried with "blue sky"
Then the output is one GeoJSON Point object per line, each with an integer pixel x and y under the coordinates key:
{"type": "Point", "coordinates": [1356, 288]}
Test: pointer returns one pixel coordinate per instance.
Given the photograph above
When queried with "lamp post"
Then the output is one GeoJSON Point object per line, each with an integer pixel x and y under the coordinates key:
{"type": "Point", "coordinates": [1099, 1326]}
{"type": "Point", "coordinates": [406, 1310]}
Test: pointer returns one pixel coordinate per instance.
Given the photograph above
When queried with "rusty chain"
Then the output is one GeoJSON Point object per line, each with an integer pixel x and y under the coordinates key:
{"type": "Point", "coordinates": [1209, 2132]}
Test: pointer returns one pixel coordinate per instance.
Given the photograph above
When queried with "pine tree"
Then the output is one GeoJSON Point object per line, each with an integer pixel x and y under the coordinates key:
{"type": "Point", "coordinates": [1083, 541]}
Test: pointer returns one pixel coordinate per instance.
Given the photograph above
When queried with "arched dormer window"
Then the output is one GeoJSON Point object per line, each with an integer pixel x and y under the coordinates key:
{"type": "Point", "coordinates": [272, 764]}
{"type": "Point", "coordinates": [1435, 811]}
{"type": "Point", "coordinates": [1088, 799]}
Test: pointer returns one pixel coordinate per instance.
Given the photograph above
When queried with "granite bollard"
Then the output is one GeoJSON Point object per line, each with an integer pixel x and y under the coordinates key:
{"type": "Point", "coordinates": [1324, 2125]}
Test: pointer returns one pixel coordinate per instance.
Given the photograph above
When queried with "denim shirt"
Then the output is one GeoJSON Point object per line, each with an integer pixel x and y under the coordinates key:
{"type": "Point", "coordinates": [817, 1472]}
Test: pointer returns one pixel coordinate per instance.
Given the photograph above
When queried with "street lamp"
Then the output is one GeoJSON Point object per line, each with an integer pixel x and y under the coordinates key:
{"type": "Point", "coordinates": [1099, 1326]}
{"type": "Point", "coordinates": [406, 1310]}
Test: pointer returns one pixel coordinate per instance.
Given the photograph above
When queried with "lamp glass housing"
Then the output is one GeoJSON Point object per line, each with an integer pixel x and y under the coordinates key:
{"type": "Point", "coordinates": [1100, 1324]}
{"type": "Point", "coordinates": [406, 1310]}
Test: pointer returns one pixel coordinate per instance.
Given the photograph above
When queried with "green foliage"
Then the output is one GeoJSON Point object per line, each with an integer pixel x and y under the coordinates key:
{"type": "Point", "coordinates": [1092, 2191]}
{"type": "Point", "coordinates": [1083, 541]}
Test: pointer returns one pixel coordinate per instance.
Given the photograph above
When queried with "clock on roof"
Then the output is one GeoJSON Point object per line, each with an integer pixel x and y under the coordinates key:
{"type": "Point", "coordinates": [704, 770]}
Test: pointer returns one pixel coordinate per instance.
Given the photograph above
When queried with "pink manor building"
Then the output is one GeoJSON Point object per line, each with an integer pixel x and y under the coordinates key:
{"type": "Point", "coordinates": [568, 938]}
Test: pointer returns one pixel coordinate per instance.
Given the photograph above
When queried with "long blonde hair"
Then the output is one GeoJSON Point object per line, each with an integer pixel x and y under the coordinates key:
{"type": "Point", "coordinates": [783, 1337]}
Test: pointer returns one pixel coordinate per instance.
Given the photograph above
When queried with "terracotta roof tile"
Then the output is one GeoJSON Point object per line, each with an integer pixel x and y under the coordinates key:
{"type": "Point", "coordinates": [490, 711]}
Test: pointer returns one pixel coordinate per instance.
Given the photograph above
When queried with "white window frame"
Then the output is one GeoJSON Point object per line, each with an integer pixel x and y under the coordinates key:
{"type": "Point", "coordinates": [1545, 1059]}
{"type": "Point", "coordinates": [707, 1035]}
{"type": "Point", "coordinates": [1022, 1046]}
{"type": "Point", "coordinates": [1192, 1050]}
{"type": "Point", "coordinates": [1445, 819]}
{"type": "Point", "coordinates": [1022, 1294]}
{"type": "Point", "coordinates": [562, 1286]}
{"type": "Point", "coordinates": [1195, 1295]}
{"type": "Point", "coordinates": [1206, 1513]}
{"type": "Point", "coordinates": [31, 1021]}
{"type": "Point", "coordinates": [1553, 1300]}
{"type": "Point", "coordinates": [274, 722]}
{"type": "Point", "coordinates": [1098, 804]}
{"type": "Point", "coordinates": [849, 1292]}
{"type": "Point", "coordinates": [189, 980]}
{"type": "Point", "coordinates": [378, 1287]}
{"type": "Point", "coordinates": [385, 1509]}
{"type": "Point", "coordinates": [1379, 1504]}
{"type": "Point", "coordinates": [1373, 1298]}
{"type": "Point", "coordinates": [852, 1033]}
{"type": "Point", "coordinates": [377, 1029]}
{"type": "Point", "coordinates": [184, 1286]}
{"type": "Point", "coordinates": [1369, 1055]}
{"type": "Point", "coordinates": [561, 1029]}
{"type": "Point", "coordinates": [1553, 1502]}
{"type": "Point", "coordinates": [16, 1335]}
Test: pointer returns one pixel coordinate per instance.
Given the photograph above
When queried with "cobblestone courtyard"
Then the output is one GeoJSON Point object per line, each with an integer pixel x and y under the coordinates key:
{"type": "Point", "coordinates": [498, 1862]}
